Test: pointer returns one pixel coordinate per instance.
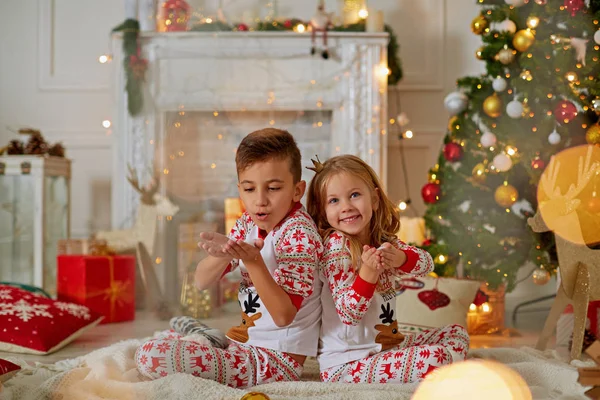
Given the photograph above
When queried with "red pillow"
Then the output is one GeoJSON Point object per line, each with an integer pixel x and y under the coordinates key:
{"type": "Point", "coordinates": [31, 323]}
{"type": "Point", "coordinates": [7, 370]}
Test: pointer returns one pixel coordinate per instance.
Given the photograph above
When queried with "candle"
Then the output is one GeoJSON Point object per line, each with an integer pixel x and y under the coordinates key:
{"type": "Point", "coordinates": [375, 21]}
{"type": "Point", "coordinates": [412, 230]}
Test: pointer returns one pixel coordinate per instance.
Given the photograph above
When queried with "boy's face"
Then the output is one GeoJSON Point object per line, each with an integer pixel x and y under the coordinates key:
{"type": "Point", "coordinates": [268, 191]}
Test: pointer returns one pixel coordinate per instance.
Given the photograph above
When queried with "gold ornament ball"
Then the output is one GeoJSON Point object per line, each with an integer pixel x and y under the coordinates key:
{"type": "Point", "coordinates": [541, 276]}
{"type": "Point", "coordinates": [452, 123]}
{"type": "Point", "coordinates": [492, 106]}
{"type": "Point", "coordinates": [506, 195]}
{"type": "Point", "coordinates": [505, 56]}
{"type": "Point", "coordinates": [478, 173]}
{"type": "Point", "coordinates": [479, 53]}
{"type": "Point", "coordinates": [479, 24]}
{"type": "Point", "coordinates": [523, 40]}
{"type": "Point", "coordinates": [592, 135]}
{"type": "Point", "coordinates": [255, 396]}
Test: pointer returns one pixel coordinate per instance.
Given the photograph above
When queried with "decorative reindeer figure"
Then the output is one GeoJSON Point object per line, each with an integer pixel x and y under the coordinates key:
{"type": "Point", "coordinates": [152, 205]}
{"type": "Point", "coordinates": [240, 333]}
{"type": "Point", "coordinates": [579, 265]}
{"type": "Point", "coordinates": [389, 335]}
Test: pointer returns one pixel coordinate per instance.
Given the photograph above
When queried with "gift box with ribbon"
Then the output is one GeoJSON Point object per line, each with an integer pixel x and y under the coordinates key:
{"type": "Point", "coordinates": [564, 326]}
{"type": "Point", "coordinates": [104, 284]}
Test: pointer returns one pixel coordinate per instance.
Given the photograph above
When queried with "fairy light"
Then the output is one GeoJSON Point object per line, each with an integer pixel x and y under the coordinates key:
{"type": "Point", "coordinates": [383, 70]}
{"type": "Point", "coordinates": [106, 123]}
{"type": "Point", "coordinates": [408, 134]}
{"type": "Point", "coordinates": [363, 13]}
{"type": "Point", "coordinates": [533, 22]}
{"type": "Point", "coordinates": [402, 206]}
{"type": "Point", "coordinates": [104, 58]}
{"type": "Point", "coordinates": [300, 28]}
{"type": "Point", "coordinates": [511, 151]}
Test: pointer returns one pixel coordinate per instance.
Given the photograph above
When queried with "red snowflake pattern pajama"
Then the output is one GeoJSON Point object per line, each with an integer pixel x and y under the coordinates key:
{"type": "Point", "coordinates": [409, 361]}
{"type": "Point", "coordinates": [238, 366]}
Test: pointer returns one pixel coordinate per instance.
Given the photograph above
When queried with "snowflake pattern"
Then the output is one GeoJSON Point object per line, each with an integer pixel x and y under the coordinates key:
{"type": "Point", "coordinates": [75, 310]}
{"type": "Point", "coordinates": [5, 294]}
{"type": "Point", "coordinates": [24, 310]}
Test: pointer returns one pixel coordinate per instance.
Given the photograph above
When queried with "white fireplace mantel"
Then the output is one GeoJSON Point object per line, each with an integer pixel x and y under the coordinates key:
{"type": "Point", "coordinates": [254, 71]}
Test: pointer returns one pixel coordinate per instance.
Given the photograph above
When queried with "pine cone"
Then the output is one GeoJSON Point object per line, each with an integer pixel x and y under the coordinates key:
{"type": "Point", "coordinates": [57, 149]}
{"type": "Point", "coordinates": [36, 145]}
{"type": "Point", "coordinates": [15, 147]}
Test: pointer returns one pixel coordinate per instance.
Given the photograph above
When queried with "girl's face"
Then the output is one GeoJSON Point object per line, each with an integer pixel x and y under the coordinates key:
{"type": "Point", "coordinates": [349, 205]}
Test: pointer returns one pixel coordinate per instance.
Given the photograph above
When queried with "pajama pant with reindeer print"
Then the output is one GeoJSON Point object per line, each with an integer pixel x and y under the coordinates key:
{"type": "Point", "coordinates": [238, 366]}
{"type": "Point", "coordinates": [410, 361]}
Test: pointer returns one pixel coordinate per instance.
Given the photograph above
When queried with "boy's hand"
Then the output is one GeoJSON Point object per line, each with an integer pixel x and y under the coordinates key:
{"type": "Point", "coordinates": [391, 257]}
{"type": "Point", "coordinates": [214, 244]}
{"type": "Point", "coordinates": [244, 251]}
{"type": "Point", "coordinates": [371, 257]}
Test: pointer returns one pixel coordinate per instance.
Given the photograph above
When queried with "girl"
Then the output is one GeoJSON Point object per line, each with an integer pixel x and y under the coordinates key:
{"type": "Point", "coordinates": [359, 340]}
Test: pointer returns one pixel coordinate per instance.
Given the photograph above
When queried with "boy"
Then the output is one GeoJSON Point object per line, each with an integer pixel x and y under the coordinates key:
{"type": "Point", "coordinates": [277, 247]}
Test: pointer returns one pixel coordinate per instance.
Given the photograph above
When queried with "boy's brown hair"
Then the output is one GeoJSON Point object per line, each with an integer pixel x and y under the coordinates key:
{"type": "Point", "coordinates": [267, 144]}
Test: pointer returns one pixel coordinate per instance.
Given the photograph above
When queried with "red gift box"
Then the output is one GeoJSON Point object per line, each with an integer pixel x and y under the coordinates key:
{"type": "Point", "coordinates": [564, 326]}
{"type": "Point", "coordinates": [104, 284]}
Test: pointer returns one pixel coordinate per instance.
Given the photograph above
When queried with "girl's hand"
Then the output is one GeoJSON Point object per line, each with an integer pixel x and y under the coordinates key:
{"type": "Point", "coordinates": [244, 251]}
{"type": "Point", "coordinates": [371, 257]}
{"type": "Point", "coordinates": [214, 244]}
{"type": "Point", "coordinates": [391, 257]}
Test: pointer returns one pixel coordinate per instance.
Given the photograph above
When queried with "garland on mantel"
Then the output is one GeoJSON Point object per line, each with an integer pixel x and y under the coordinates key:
{"type": "Point", "coordinates": [394, 64]}
{"type": "Point", "coordinates": [135, 66]}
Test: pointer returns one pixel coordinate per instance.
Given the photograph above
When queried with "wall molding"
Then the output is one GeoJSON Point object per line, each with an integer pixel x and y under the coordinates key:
{"type": "Point", "coordinates": [430, 76]}
{"type": "Point", "coordinates": [48, 78]}
{"type": "Point", "coordinates": [80, 139]}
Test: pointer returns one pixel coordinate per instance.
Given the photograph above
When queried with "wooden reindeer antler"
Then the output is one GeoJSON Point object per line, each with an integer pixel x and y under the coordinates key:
{"type": "Point", "coordinates": [584, 174]}
{"type": "Point", "coordinates": [147, 194]}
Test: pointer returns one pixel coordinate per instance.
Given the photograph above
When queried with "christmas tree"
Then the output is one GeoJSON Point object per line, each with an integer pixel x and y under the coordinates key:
{"type": "Point", "coordinates": [539, 95]}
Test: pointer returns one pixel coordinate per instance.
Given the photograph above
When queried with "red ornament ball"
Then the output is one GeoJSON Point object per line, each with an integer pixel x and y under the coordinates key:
{"type": "Point", "coordinates": [565, 111]}
{"type": "Point", "coordinates": [242, 27]}
{"type": "Point", "coordinates": [431, 193]}
{"type": "Point", "coordinates": [538, 164]}
{"type": "Point", "coordinates": [287, 23]}
{"type": "Point", "coordinates": [574, 5]}
{"type": "Point", "coordinates": [453, 152]}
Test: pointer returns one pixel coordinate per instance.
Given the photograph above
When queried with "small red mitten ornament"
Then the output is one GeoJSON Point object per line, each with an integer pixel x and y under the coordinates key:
{"type": "Point", "coordinates": [434, 299]}
{"type": "Point", "coordinates": [453, 152]}
{"type": "Point", "coordinates": [480, 298]}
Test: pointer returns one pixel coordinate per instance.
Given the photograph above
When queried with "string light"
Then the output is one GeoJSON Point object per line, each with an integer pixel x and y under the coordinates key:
{"type": "Point", "coordinates": [104, 58]}
{"type": "Point", "coordinates": [408, 134]}
{"type": "Point", "coordinates": [363, 13]}
{"type": "Point", "coordinates": [533, 22]}
{"type": "Point", "coordinates": [402, 206]}
{"type": "Point", "coordinates": [106, 123]}
{"type": "Point", "coordinates": [300, 28]}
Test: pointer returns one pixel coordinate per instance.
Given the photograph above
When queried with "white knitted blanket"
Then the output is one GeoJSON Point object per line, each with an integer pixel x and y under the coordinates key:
{"type": "Point", "coordinates": [110, 373]}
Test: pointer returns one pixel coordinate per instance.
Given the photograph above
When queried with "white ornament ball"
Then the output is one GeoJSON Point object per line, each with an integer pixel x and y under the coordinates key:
{"type": "Point", "coordinates": [597, 37]}
{"type": "Point", "coordinates": [456, 102]}
{"type": "Point", "coordinates": [514, 109]}
{"type": "Point", "coordinates": [502, 162]}
{"type": "Point", "coordinates": [488, 139]}
{"type": "Point", "coordinates": [515, 3]}
{"type": "Point", "coordinates": [554, 138]}
{"type": "Point", "coordinates": [499, 84]}
{"type": "Point", "coordinates": [506, 26]}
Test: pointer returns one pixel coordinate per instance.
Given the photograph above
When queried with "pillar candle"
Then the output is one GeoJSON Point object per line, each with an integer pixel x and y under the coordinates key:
{"type": "Point", "coordinates": [375, 21]}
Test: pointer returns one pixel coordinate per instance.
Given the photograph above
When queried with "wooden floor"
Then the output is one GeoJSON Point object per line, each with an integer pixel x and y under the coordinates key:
{"type": "Point", "coordinates": [146, 324]}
